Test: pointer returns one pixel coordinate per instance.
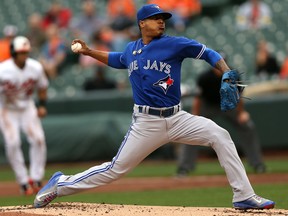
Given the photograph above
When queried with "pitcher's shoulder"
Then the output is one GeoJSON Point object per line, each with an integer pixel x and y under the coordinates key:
{"type": "Point", "coordinates": [170, 38]}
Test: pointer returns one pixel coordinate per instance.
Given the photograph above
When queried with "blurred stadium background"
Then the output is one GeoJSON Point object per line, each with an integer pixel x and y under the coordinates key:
{"type": "Point", "coordinates": [90, 126]}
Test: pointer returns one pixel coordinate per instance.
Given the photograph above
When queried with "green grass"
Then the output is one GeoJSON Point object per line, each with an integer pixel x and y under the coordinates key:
{"type": "Point", "coordinates": [151, 168]}
{"type": "Point", "coordinates": [202, 197]}
{"type": "Point", "coordinates": [215, 197]}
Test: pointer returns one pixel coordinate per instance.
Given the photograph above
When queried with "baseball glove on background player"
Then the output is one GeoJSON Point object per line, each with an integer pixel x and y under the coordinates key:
{"type": "Point", "coordinates": [230, 91]}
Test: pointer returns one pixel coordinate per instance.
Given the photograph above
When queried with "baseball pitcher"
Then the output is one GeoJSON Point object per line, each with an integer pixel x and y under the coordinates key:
{"type": "Point", "coordinates": [154, 69]}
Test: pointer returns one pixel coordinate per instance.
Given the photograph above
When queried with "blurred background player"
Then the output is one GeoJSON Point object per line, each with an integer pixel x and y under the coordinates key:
{"type": "Point", "coordinates": [19, 76]}
{"type": "Point", "coordinates": [284, 68]}
{"type": "Point", "coordinates": [266, 62]}
{"type": "Point", "coordinates": [35, 33]}
{"type": "Point", "coordinates": [183, 11]}
{"type": "Point", "coordinates": [53, 53]}
{"type": "Point", "coordinates": [99, 81]}
{"type": "Point", "coordinates": [206, 104]}
{"type": "Point", "coordinates": [9, 33]}
{"type": "Point", "coordinates": [121, 16]}
{"type": "Point", "coordinates": [57, 14]}
{"type": "Point", "coordinates": [87, 22]}
{"type": "Point", "coordinates": [253, 14]}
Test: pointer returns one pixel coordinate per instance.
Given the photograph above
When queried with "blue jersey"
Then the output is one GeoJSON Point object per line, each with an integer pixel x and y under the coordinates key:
{"type": "Point", "coordinates": [155, 69]}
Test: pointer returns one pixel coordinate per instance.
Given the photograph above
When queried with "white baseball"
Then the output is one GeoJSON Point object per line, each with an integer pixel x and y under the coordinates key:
{"type": "Point", "coordinates": [76, 47]}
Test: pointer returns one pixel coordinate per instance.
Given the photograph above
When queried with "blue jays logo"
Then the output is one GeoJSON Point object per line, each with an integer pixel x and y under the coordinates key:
{"type": "Point", "coordinates": [164, 83]}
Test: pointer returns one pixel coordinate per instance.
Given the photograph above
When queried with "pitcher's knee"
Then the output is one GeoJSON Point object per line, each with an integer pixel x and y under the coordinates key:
{"type": "Point", "coordinates": [118, 170]}
{"type": "Point", "coordinates": [220, 135]}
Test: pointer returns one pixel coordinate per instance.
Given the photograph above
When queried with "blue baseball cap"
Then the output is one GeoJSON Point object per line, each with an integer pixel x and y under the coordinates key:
{"type": "Point", "coordinates": [150, 10]}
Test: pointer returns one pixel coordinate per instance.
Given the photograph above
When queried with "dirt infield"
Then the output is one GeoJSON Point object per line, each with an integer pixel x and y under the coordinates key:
{"type": "Point", "coordinates": [73, 209]}
{"type": "Point", "coordinates": [132, 184]}
{"type": "Point", "coordinates": [144, 184]}
{"type": "Point", "coordinates": [158, 183]}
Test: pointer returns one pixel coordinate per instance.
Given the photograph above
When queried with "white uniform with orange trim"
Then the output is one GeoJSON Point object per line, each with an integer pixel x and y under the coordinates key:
{"type": "Point", "coordinates": [18, 113]}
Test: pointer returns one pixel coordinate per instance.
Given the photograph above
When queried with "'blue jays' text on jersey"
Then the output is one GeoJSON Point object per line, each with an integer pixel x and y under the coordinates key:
{"type": "Point", "coordinates": [155, 69]}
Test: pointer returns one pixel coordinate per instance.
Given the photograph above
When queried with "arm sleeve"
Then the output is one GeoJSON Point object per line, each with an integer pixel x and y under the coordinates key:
{"type": "Point", "coordinates": [116, 60]}
{"type": "Point", "coordinates": [194, 49]}
{"type": "Point", "coordinates": [211, 56]}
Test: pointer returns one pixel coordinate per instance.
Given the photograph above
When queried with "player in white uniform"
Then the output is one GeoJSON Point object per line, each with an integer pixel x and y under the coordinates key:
{"type": "Point", "coordinates": [19, 77]}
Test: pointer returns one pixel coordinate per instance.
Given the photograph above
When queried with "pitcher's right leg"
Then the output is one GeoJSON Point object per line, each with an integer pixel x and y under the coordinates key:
{"type": "Point", "coordinates": [144, 136]}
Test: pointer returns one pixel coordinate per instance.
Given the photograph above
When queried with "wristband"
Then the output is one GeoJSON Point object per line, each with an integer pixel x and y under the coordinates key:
{"type": "Point", "coordinates": [42, 102]}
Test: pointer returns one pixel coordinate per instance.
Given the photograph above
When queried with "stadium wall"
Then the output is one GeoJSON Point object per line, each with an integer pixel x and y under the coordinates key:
{"type": "Point", "coordinates": [92, 128]}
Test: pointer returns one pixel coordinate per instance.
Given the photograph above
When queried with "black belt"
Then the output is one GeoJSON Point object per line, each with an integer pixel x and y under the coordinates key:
{"type": "Point", "coordinates": [160, 112]}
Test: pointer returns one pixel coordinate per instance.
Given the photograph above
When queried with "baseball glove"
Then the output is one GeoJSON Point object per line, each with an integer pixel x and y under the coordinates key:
{"type": "Point", "coordinates": [230, 92]}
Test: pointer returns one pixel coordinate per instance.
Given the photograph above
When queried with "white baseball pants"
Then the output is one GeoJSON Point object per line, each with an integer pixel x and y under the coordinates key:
{"type": "Point", "coordinates": [146, 134]}
{"type": "Point", "coordinates": [12, 123]}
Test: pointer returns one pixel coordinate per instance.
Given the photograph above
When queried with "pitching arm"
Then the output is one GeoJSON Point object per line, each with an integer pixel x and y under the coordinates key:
{"type": "Point", "coordinates": [215, 60]}
{"type": "Point", "coordinates": [101, 56]}
{"type": "Point", "coordinates": [112, 59]}
{"type": "Point", "coordinates": [222, 65]}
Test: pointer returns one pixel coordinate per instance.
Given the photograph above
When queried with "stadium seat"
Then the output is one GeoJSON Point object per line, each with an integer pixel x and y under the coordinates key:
{"type": "Point", "coordinates": [217, 32]}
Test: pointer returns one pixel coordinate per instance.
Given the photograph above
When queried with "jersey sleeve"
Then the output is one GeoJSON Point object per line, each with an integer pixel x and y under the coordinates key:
{"type": "Point", "coordinates": [211, 56]}
{"type": "Point", "coordinates": [188, 48]}
{"type": "Point", "coordinates": [116, 60]}
{"type": "Point", "coordinates": [194, 49]}
{"type": "Point", "coordinates": [119, 59]}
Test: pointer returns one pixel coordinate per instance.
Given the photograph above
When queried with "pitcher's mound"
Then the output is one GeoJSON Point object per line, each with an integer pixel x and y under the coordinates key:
{"type": "Point", "coordinates": [73, 209]}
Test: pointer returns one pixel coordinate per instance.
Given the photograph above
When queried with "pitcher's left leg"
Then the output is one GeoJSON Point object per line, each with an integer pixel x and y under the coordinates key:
{"type": "Point", "coordinates": [196, 130]}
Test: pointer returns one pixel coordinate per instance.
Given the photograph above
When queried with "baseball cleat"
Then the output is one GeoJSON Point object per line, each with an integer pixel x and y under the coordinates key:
{"type": "Point", "coordinates": [181, 173]}
{"type": "Point", "coordinates": [26, 190]}
{"type": "Point", "coordinates": [254, 202]}
{"type": "Point", "coordinates": [48, 192]}
{"type": "Point", "coordinates": [36, 185]}
{"type": "Point", "coordinates": [261, 168]}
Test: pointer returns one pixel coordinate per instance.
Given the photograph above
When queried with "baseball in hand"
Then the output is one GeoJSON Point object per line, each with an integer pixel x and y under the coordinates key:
{"type": "Point", "coordinates": [76, 47]}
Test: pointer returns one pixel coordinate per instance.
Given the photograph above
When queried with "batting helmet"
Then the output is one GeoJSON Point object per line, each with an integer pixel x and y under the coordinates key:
{"type": "Point", "coordinates": [19, 44]}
